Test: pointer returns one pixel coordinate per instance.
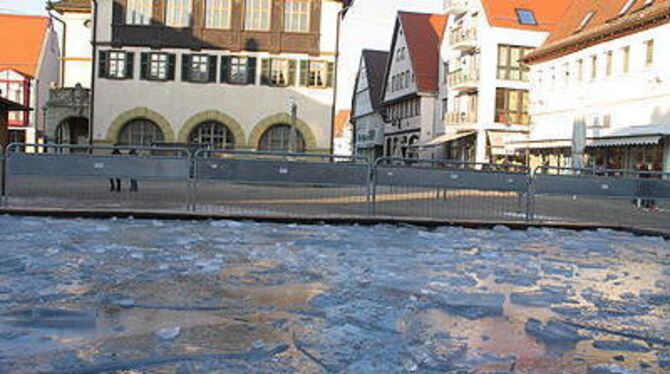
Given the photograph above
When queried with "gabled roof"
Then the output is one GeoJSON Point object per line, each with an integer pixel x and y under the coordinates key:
{"type": "Point", "coordinates": [605, 24]}
{"type": "Point", "coordinates": [21, 41]}
{"type": "Point", "coordinates": [375, 62]}
{"type": "Point", "coordinates": [503, 13]}
{"type": "Point", "coordinates": [423, 34]}
{"type": "Point", "coordinates": [76, 6]}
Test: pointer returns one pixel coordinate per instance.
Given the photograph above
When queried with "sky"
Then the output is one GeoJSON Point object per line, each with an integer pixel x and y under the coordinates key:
{"type": "Point", "coordinates": [23, 6]}
{"type": "Point", "coordinates": [369, 24]}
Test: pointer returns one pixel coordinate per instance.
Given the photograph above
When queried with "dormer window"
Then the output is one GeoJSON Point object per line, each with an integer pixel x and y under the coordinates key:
{"type": "Point", "coordinates": [585, 21]}
{"type": "Point", "coordinates": [526, 17]}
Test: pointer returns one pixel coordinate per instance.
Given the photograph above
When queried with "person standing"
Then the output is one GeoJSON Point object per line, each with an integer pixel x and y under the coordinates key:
{"type": "Point", "coordinates": [133, 182]}
{"type": "Point", "coordinates": [115, 183]}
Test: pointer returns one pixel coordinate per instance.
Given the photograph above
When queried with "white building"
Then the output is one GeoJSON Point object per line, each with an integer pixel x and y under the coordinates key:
{"type": "Point", "coordinates": [410, 85]}
{"type": "Point", "coordinates": [219, 73]}
{"type": "Point", "coordinates": [366, 105]}
{"type": "Point", "coordinates": [68, 108]}
{"type": "Point", "coordinates": [28, 67]}
{"type": "Point", "coordinates": [484, 89]}
{"type": "Point", "coordinates": [604, 70]}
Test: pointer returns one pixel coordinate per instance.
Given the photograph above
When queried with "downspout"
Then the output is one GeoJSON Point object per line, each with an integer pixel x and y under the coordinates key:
{"type": "Point", "coordinates": [63, 42]}
{"type": "Point", "coordinates": [94, 64]}
{"type": "Point", "coordinates": [333, 113]}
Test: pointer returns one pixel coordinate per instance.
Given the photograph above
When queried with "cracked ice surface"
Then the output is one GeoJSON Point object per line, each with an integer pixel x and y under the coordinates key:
{"type": "Point", "coordinates": [85, 296]}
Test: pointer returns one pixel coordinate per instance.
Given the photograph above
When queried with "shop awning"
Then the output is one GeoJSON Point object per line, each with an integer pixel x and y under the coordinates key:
{"type": "Point", "coordinates": [496, 142]}
{"type": "Point", "coordinates": [624, 141]}
{"type": "Point", "coordinates": [446, 138]}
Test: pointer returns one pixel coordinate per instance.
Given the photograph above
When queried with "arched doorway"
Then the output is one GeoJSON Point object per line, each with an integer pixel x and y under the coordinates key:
{"type": "Point", "coordinates": [73, 130]}
{"type": "Point", "coordinates": [212, 134]}
{"type": "Point", "coordinates": [140, 132]}
{"type": "Point", "coordinates": [278, 138]}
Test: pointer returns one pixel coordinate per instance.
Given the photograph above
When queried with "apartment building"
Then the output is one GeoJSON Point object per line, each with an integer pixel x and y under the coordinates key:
{"type": "Point", "coordinates": [366, 105]}
{"type": "Point", "coordinates": [484, 89]}
{"type": "Point", "coordinates": [410, 89]}
{"type": "Point", "coordinates": [28, 67]}
{"type": "Point", "coordinates": [601, 88]}
{"type": "Point", "coordinates": [220, 73]}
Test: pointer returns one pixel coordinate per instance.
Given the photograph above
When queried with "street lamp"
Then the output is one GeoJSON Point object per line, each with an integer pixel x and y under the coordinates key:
{"type": "Point", "coordinates": [293, 109]}
{"type": "Point", "coordinates": [333, 112]}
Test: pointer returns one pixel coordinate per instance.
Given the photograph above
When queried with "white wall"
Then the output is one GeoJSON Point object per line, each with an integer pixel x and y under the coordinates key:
{"type": "Point", "coordinates": [401, 63]}
{"type": "Point", "coordinates": [639, 97]}
{"type": "Point", "coordinates": [78, 51]}
{"type": "Point", "coordinates": [47, 74]}
{"type": "Point", "coordinates": [178, 101]}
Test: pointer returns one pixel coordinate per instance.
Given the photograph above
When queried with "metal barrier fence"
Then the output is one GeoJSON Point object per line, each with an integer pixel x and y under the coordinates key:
{"type": "Point", "coordinates": [597, 196]}
{"type": "Point", "coordinates": [450, 189]}
{"type": "Point", "coordinates": [99, 177]}
{"type": "Point", "coordinates": [262, 183]}
{"type": "Point", "coordinates": [282, 184]}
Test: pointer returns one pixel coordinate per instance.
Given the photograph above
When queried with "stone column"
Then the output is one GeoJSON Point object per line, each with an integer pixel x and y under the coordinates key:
{"type": "Point", "coordinates": [480, 148]}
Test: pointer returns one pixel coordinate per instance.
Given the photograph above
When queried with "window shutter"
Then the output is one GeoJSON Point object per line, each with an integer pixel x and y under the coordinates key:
{"type": "Point", "coordinates": [331, 74]}
{"type": "Point", "coordinates": [251, 70]}
{"type": "Point", "coordinates": [291, 72]}
{"type": "Point", "coordinates": [225, 69]}
{"type": "Point", "coordinates": [144, 65]}
{"type": "Point", "coordinates": [185, 68]}
{"type": "Point", "coordinates": [213, 60]}
{"type": "Point", "coordinates": [118, 14]}
{"type": "Point", "coordinates": [172, 63]}
{"type": "Point", "coordinates": [103, 57]}
{"type": "Point", "coordinates": [304, 72]}
{"type": "Point", "coordinates": [266, 71]}
{"type": "Point", "coordinates": [130, 65]}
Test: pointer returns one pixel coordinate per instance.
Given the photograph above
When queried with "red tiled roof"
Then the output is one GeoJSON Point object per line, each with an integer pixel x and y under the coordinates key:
{"type": "Point", "coordinates": [341, 121]}
{"type": "Point", "coordinates": [423, 33]}
{"type": "Point", "coordinates": [21, 40]}
{"type": "Point", "coordinates": [606, 24]}
{"type": "Point", "coordinates": [548, 13]}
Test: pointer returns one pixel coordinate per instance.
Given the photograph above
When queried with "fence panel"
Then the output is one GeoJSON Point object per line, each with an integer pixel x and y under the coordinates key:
{"type": "Point", "coordinates": [601, 197]}
{"type": "Point", "coordinates": [450, 190]}
{"type": "Point", "coordinates": [266, 183]}
{"type": "Point", "coordinates": [70, 177]}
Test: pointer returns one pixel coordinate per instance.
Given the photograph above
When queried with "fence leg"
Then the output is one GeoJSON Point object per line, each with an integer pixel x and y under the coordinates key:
{"type": "Point", "coordinates": [530, 201]}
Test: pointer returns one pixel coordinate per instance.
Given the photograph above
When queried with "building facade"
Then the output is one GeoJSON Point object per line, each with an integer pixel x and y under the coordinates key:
{"type": "Point", "coordinates": [215, 72]}
{"type": "Point", "coordinates": [68, 107]}
{"type": "Point", "coordinates": [410, 87]}
{"type": "Point", "coordinates": [484, 95]}
{"type": "Point", "coordinates": [366, 105]}
{"type": "Point", "coordinates": [601, 88]}
{"type": "Point", "coordinates": [28, 67]}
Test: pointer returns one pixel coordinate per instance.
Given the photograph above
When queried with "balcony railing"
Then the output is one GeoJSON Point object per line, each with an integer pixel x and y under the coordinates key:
{"type": "Point", "coordinates": [460, 118]}
{"type": "Point", "coordinates": [463, 37]}
{"type": "Point", "coordinates": [463, 78]}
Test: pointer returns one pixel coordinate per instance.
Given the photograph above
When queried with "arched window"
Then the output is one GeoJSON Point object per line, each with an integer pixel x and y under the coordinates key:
{"type": "Point", "coordinates": [214, 134]}
{"type": "Point", "coordinates": [278, 138]}
{"type": "Point", "coordinates": [140, 131]}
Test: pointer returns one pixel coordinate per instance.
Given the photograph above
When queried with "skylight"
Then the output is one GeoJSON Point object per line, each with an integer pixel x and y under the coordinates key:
{"type": "Point", "coordinates": [526, 17]}
{"type": "Point", "coordinates": [587, 18]}
{"type": "Point", "coordinates": [626, 7]}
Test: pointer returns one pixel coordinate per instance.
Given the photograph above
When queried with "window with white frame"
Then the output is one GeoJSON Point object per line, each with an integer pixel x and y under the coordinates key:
{"type": "Point", "coordinates": [116, 64]}
{"type": "Point", "coordinates": [296, 15]}
{"type": "Point", "coordinates": [138, 12]}
{"type": "Point", "coordinates": [317, 74]}
{"type": "Point", "coordinates": [158, 66]}
{"type": "Point", "coordinates": [217, 14]}
{"type": "Point", "coordinates": [279, 72]}
{"type": "Point", "coordinates": [257, 15]}
{"type": "Point", "coordinates": [238, 69]}
{"type": "Point", "coordinates": [178, 13]}
{"type": "Point", "coordinates": [199, 68]}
